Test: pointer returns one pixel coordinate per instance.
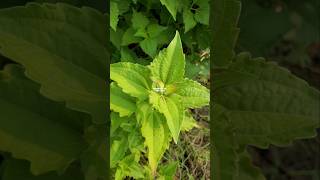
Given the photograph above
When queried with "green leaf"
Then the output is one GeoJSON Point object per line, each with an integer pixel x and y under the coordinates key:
{"type": "Point", "coordinates": [116, 37]}
{"type": "Point", "coordinates": [169, 65]}
{"type": "Point", "coordinates": [188, 123]}
{"type": "Point", "coordinates": [116, 122]}
{"type": "Point", "coordinates": [149, 46]}
{"type": "Point", "coordinates": [151, 34]}
{"type": "Point", "coordinates": [127, 55]}
{"type": "Point", "coordinates": [172, 109]}
{"type": "Point", "coordinates": [169, 170]}
{"type": "Point", "coordinates": [227, 78]}
{"type": "Point", "coordinates": [117, 151]}
{"type": "Point", "coordinates": [154, 30]}
{"type": "Point", "coordinates": [114, 15]}
{"type": "Point", "coordinates": [132, 78]}
{"type": "Point", "coordinates": [34, 128]}
{"type": "Point", "coordinates": [64, 75]}
{"type": "Point", "coordinates": [172, 7]}
{"type": "Point", "coordinates": [130, 167]}
{"type": "Point", "coordinates": [119, 175]}
{"type": "Point", "coordinates": [155, 132]}
{"type": "Point", "coordinates": [258, 103]}
{"type": "Point", "coordinates": [202, 12]}
{"type": "Point", "coordinates": [19, 169]}
{"type": "Point", "coordinates": [139, 21]}
{"type": "Point", "coordinates": [270, 106]}
{"type": "Point", "coordinates": [142, 32]}
{"type": "Point", "coordinates": [123, 6]}
{"type": "Point", "coordinates": [129, 38]}
{"type": "Point", "coordinates": [188, 20]}
{"type": "Point", "coordinates": [194, 95]}
{"type": "Point", "coordinates": [225, 32]}
{"type": "Point", "coordinates": [135, 141]}
{"type": "Point", "coordinates": [121, 102]}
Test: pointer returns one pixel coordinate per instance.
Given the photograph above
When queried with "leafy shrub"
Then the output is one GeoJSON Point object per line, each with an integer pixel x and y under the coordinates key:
{"type": "Point", "coordinates": [157, 96]}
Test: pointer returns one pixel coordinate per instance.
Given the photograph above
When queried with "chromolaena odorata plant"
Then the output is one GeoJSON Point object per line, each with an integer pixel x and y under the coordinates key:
{"type": "Point", "coordinates": [156, 99]}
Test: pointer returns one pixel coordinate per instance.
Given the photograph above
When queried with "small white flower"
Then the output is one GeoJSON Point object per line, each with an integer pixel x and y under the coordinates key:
{"type": "Point", "coordinates": [159, 90]}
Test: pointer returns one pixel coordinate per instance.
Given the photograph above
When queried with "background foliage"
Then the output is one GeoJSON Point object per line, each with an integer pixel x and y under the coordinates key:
{"type": "Point", "coordinates": [256, 102]}
{"type": "Point", "coordinates": [293, 42]}
{"type": "Point", "coordinates": [139, 29]}
{"type": "Point", "coordinates": [50, 36]}
{"type": "Point", "coordinates": [53, 105]}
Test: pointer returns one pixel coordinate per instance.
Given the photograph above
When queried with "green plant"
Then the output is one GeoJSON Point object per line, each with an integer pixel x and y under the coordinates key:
{"type": "Point", "coordinates": [154, 98]}
{"type": "Point", "coordinates": [53, 92]}
{"type": "Point", "coordinates": [53, 103]}
{"type": "Point", "coordinates": [254, 102]}
{"type": "Point", "coordinates": [140, 29]}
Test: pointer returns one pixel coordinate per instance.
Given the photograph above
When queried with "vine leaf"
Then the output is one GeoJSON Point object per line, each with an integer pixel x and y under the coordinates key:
{"type": "Point", "coordinates": [155, 132]}
{"type": "Point", "coordinates": [169, 66]}
{"type": "Point", "coordinates": [64, 75]}
{"type": "Point", "coordinates": [42, 120]}
{"type": "Point", "coordinates": [121, 102]}
{"type": "Point", "coordinates": [132, 78]}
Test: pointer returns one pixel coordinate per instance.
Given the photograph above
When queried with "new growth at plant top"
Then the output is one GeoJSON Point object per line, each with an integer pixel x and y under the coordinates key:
{"type": "Point", "coordinates": [150, 108]}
